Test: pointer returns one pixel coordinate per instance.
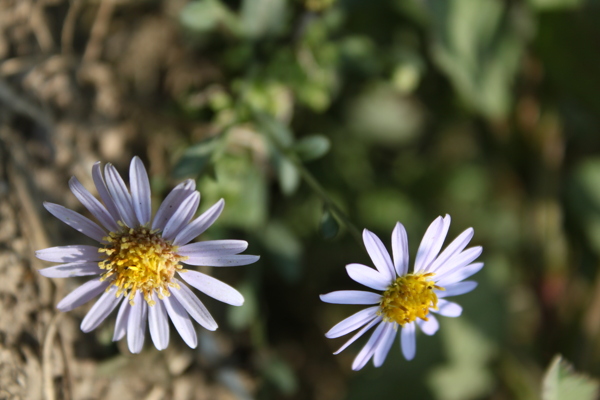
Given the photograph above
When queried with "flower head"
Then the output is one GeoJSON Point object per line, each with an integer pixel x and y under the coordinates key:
{"type": "Point", "coordinates": [140, 258]}
{"type": "Point", "coordinates": [406, 299]}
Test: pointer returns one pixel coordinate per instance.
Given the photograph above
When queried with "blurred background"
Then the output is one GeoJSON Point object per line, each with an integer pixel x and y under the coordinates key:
{"type": "Point", "coordinates": [292, 110]}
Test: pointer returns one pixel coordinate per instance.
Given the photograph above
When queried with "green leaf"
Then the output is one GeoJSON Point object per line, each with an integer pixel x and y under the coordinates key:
{"type": "Point", "coordinates": [587, 175]}
{"type": "Point", "coordinates": [275, 128]}
{"type": "Point", "coordinates": [312, 147]}
{"type": "Point", "coordinates": [584, 199]}
{"type": "Point", "coordinates": [329, 226]}
{"type": "Point", "coordinates": [243, 186]}
{"type": "Point", "coordinates": [379, 114]}
{"type": "Point", "coordinates": [263, 17]}
{"type": "Point", "coordinates": [478, 44]}
{"type": "Point", "coordinates": [280, 136]}
{"type": "Point", "coordinates": [196, 158]}
{"type": "Point", "coordinates": [466, 375]}
{"type": "Point", "coordinates": [279, 373]}
{"type": "Point", "coordinates": [289, 178]}
{"type": "Point", "coordinates": [408, 72]}
{"type": "Point", "coordinates": [543, 5]}
{"type": "Point", "coordinates": [561, 382]}
{"type": "Point", "coordinates": [206, 15]}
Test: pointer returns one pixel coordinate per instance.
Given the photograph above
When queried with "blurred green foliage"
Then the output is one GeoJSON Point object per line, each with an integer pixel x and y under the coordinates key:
{"type": "Point", "coordinates": [561, 382]}
{"type": "Point", "coordinates": [403, 110]}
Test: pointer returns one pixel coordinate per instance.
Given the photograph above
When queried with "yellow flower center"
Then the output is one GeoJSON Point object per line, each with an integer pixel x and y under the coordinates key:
{"type": "Point", "coordinates": [140, 259]}
{"type": "Point", "coordinates": [408, 298]}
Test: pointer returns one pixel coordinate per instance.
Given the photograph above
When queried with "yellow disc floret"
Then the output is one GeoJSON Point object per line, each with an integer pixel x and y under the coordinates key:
{"type": "Point", "coordinates": [408, 298]}
{"type": "Point", "coordinates": [140, 259]}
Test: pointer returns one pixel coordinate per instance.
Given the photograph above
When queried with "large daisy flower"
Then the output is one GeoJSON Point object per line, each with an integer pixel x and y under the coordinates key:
{"type": "Point", "coordinates": [405, 299]}
{"type": "Point", "coordinates": [140, 259]}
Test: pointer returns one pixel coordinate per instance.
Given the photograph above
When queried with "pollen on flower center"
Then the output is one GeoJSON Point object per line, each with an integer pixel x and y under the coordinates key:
{"type": "Point", "coordinates": [140, 259]}
{"type": "Point", "coordinates": [408, 298]}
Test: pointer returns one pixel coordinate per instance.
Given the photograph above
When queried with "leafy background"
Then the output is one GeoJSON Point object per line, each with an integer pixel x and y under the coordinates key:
{"type": "Point", "coordinates": [299, 113]}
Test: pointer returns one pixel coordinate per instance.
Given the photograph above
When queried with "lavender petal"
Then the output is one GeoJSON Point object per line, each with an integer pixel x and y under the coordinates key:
{"type": "Point", "coordinates": [140, 190]}
{"type": "Point", "coordinates": [77, 221]}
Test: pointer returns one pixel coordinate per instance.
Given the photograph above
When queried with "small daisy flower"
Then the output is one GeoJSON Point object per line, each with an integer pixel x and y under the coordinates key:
{"type": "Point", "coordinates": [406, 299]}
{"type": "Point", "coordinates": [139, 260]}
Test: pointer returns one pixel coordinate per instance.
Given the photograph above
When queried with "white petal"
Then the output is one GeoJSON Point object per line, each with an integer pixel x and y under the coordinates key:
{"type": "Point", "coordinates": [121, 196]}
{"type": "Point", "coordinates": [379, 255]}
{"type": "Point", "coordinates": [140, 190]}
{"type": "Point", "coordinates": [453, 249]}
{"type": "Point", "coordinates": [76, 221]}
{"type": "Point", "coordinates": [172, 202]}
{"type": "Point", "coordinates": [194, 306]}
{"type": "Point", "coordinates": [459, 261]}
{"type": "Point", "coordinates": [122, 318]}
{"type": "Point", "coordinates": [185, 211]}
{"type": "Point", "coordinates": [457, 289]}
{"type": "Point", "coordinates": [430, 326]}
{"type": "Point", "coordinates": [72, 253]}
{"type": "Point", "coordinates": [358, 334]}
{"type": "Point", "coordinates": [211, 248]}
{"type": "Point", "coordinates": [232, 260]}
{"type": "Point", "coordinates": [408, 341]}
{"type": "Point", "coordinates": [432, 243]}
{"type": "Point", "coordinates": [351, 297]}
{"type": "Point", "coordinates": [369, 348]}
{"type": "Point", "coordinates": [181, 320]}
{"type": "Point", "coordinates": [384, 344]}
{"type": "Point", "coordinates": [367, 276]}
{"type": "Point", "coordinates": [93, 205]}
{"type": "Point", "coordinates": [159, 324]}
{"type": "Point", "coordinates": [400, 249]}
{"type": "Point", "coordinates": [459, 274]}
{"type": "Point", "coordinates": [101, 309]}
{"type": "Point", "coordinates": [136, 323]}
{"type": "Point", "coordinates": [82, 294]}
{"type": "Point", "coordinates": [213, 287]}
{"type": "Point", "coordinates": [448, 308]}
{"type": "Point", "coordinates": [200, 224]}
{"type": "Point", "coordinates": [71, 270]}
{"type": "Point", "coordinates": [353, 322]}
{"type": "Point", "coordinates": [103, 192]}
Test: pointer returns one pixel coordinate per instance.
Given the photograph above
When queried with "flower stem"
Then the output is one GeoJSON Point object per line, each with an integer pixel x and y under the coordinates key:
{"type": "Point", "coordinates": [312, 182]}
{"type": "Point", "coordinates": [329, 203]}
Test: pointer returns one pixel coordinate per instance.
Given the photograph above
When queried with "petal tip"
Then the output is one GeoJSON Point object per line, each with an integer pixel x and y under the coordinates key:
{"type": "Point", "coordinates": [212, 327]}
{"type": "Point", "coordinates": [43, 272]}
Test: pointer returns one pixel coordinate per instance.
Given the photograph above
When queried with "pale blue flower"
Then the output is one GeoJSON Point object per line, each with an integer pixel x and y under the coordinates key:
{"type": "Point", "coordinates": [140, 258]}
{"type": "Point", "coordinates": [405, 299]}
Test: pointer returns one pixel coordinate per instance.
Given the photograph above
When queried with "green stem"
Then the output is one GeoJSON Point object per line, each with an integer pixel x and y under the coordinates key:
{"type": "Point", "coordinates": [318, 189]}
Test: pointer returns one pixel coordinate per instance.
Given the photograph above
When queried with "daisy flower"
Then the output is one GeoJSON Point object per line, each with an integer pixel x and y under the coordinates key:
{"type": "Point", "coordinates": [405, 299]}
{"type": "Point", "coordinates": [138, 265]}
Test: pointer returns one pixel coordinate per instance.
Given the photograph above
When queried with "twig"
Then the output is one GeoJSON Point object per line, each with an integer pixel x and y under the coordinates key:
{"type": "Point", "coordinates": [48, 384]}
{"type": "Point", "coordinates": [93, 49]}
{"type": "Point", "coordinates": [18, 65]}
{"type": "Point", "coordinates": [67, 388]}
{"type": "Point", "coordinates": [68, 30]}
{"type": "Point", "coordinates": [21, 105]}
{"type": "Point", "coordinates": [40, 28]}
{"type": "Point", "coordinates": [14, 154]}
